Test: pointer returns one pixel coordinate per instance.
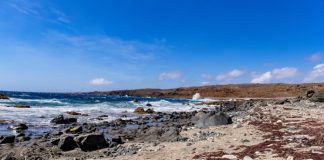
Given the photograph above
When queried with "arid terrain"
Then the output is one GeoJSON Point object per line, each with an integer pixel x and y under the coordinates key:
{"type": "Point", "coordinates": [225, 91]}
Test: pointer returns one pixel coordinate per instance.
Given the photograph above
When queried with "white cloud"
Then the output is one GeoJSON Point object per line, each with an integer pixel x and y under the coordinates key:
{"type": "Point", "coordinates": [278, 73]}
{"type": "Point", "coordinates": [315, 57]}
{"type": "Point", "coordinates": [286, 72]}
{"type": "Point", "coordinates": [205, 83]}
{"type": "Point", "coordinates": [169, 75]}
{"type": "Point", "coordinates": [263, 78]}
{"type": "Point", "coordinates": [317, 72]}
{"type": "Point", "coordinates": [100, 81]}
{"type": "Point", "coordinates": [230, 75]}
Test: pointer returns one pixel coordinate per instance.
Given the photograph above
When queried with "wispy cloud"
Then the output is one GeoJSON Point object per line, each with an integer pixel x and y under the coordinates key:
{"type": "Point", "coordinates": [170, 75]}
{"type": "Point", "coordinates": [315, 57]}
{"type": "Point", "coordinates": [106, 46]}
{"type": "Point", "coordinates": [39, 10]}
{"type": "Point", "coordinates": [100, 81]}
{"type": "Point", "coordinates": [278, 73]}
{"type": "Point", "coordinates": [317, 72]}
{"type": "Point", "coordinates": [230, 75]}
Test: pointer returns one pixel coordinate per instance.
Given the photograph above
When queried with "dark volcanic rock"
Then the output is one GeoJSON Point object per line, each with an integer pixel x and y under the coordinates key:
{"type": "Point", "coordinates": [67, 143]}
{"type": "Point", "coordinates": [165, 134]}
{"type": "Point", "coordinates": [318, 96]}
{"type": "Point", "coordinates": [61, 120]}
{"type": "Point", "coordinates": [90, 142]}
{"type": "Point", "coordinates": [2, 96]}
{"type": "Point", "coordinates": [203, 120]}
{"type": "Point", "coordinates": [7, 139]}
{"type": "Point", "coordinates": [20, 126]}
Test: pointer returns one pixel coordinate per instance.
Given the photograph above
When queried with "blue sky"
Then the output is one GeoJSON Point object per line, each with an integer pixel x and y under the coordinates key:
{"type": "Point", "coordinates": [124, 44]}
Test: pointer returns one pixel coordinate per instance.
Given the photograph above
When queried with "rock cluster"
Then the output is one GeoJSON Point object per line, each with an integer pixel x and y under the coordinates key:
{"type": "Point", "coordinates": [3, 96]}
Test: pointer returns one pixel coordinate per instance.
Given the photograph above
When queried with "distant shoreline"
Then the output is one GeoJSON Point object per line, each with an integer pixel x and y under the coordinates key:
{"type": "Point", "coordinates": [234, 91]}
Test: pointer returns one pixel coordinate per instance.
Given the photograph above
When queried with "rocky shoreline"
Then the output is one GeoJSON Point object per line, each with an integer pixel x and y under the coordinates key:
{"type": "Point", "coordinates": [244, 129]}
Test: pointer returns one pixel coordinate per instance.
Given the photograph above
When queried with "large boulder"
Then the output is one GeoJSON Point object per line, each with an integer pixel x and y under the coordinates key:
{"type": "Point", "coordinates": [90, 142]}
{"type": "Point", "coordinates": [3, 96]}
{"type": "Point", "coordinates": [203, 120]}
{"type": "Point", "coordinates": [67, 143]}
{"type": "Point", "coordinates": [317, 96]}
{"type": "Point", "coordinates": [61, 120]}
{"type": "Point", "coordinates": [161, 133]}
{"type": "Point", "coordinates": [7, 139]}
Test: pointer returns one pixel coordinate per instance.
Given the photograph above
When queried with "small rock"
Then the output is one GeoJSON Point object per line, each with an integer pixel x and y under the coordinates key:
{"type": "Point", "coordinates": [290, 158]}
{"type": "Point", "coordinates": [61, 120]}
{"type": "Point", "coordinates": [73, 113]}
{"type": "Point", "coordinates": [149, 105]}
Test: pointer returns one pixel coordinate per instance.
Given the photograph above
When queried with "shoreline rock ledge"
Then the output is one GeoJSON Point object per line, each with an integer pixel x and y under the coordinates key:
{"type": "Point", "coordinates": [3, 96]}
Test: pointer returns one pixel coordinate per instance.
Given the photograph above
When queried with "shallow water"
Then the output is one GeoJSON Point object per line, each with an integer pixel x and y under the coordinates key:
{"type": "Point", "coordinates": [45, 106]}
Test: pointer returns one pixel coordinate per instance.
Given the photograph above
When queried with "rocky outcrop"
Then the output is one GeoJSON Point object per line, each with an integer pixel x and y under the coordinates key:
{"type": "Point", "coordinates": [3, 96]}
{"type": "Point", "coordinates": [61, 120]}
{"type": "Point", "coordinates": [315, 96]}
{"type": "Point", "coordinates": [203, 120]}
{"type": "Point", "coordinates": [90, 142]}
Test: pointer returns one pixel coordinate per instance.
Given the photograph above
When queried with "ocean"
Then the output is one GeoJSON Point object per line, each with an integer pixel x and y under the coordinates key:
{"type": "Point", "coordinates": [46, 106]}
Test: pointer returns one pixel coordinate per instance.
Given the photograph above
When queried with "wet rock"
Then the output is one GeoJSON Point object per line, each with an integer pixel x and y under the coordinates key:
{"type": "Point", "coordinates": [139, 110]}
{"type": "Point", "coordinates": [22, 139]}
{"type": "Point", "coordinates": [103, 116]}
{"type": "Point", "coordinates": [22, 106]}
{"type": "Point", "coordinates": [149, 111]}
{"type": "Point", "coordinates": [3, 96]}
{"type": "Point", "coordinates": [3, 121]}
{"type": "Point", "coordinates": [73, 113]}
{"type": "Point", "coordinates": [203, 120]}
{"type": "Point", "coordinates": [67, 143]}
{"type": "Point", "coordinates": [76, 130]}
{"type": "Point", "coordinates": [19, 127]}
{"type": "Point", "coordinates": [90, 142]}
{"type": "Point", "coordinates": [149, 105]}
{"type": "Point", "coordinates": [61, 120]}
{"type": "Point", "coordinates": [7, 139]}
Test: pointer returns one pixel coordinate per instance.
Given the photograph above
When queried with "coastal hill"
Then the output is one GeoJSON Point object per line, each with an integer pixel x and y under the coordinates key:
{"type": "Point", "coordinates": [225, 91]}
